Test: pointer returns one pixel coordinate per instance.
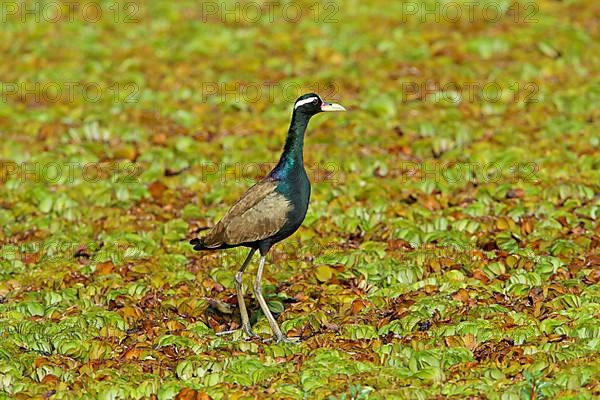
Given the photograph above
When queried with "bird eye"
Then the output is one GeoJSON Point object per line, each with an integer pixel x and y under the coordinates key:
{"type": "Point", "coordinates": [315, 101]}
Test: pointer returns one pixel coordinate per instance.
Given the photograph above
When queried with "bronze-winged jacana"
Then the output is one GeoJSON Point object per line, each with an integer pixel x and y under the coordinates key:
{"type": "Point", "coordinates": [271, 210]}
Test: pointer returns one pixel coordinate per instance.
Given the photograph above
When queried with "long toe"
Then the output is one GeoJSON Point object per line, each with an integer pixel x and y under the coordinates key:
{"type": "Point", "coordinates": [248, 333]}
{"type": "Point", "coordinates": [225, 333]}
{"type": "Point", "coordinates": [284, 339]}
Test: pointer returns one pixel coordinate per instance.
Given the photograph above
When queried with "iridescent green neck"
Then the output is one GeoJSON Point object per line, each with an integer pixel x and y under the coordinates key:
{"type": "Point", "coordinates": [292, 152]}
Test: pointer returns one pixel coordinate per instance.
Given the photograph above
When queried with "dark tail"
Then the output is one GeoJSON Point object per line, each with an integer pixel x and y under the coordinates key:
{"type": "Point", "coordinates": [198, 245]}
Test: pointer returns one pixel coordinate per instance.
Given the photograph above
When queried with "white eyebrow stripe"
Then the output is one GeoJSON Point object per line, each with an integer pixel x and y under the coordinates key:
{"type": "Point", "coordinates": [305, 101]}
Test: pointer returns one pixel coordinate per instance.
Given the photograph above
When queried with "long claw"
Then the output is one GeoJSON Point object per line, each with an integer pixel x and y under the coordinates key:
{"type": "Point", "coordinates": [225, 333]}
{"type": "Point", "coordinates": [249, 334]}
{"type": "Point", "coordinates": [286, 340]}
{"type": "Point", "coordinates": [281, 339]}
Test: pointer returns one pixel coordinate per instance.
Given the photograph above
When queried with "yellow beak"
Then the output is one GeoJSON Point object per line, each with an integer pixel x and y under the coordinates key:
{"type": "Point", "coordinates": [331, 107]}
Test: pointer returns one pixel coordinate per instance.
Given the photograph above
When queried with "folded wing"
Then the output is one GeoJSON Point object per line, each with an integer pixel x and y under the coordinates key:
{"type": "Point", "coordinates": [260, 213]}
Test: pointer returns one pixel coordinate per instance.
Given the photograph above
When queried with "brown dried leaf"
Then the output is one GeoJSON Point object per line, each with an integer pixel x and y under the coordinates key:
{"type": "Point", "coordinates": [191, 394]}
{"type": "Point", "coordinates": [105, 268]}
{"type": "Point", "coordinates": [157, 188]}
{"type": "Point", "coordinates": [358, 305]}
{"type": "Point", "coordinates": [462, 295]}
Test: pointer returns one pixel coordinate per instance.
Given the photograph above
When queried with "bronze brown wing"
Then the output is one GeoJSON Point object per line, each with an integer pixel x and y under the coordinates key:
{"type": "Point", "coordinates": [258, 214]}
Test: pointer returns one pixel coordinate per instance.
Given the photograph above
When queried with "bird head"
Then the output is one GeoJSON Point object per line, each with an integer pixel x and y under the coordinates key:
{"type": "Point", "coordinates": [311, 104]}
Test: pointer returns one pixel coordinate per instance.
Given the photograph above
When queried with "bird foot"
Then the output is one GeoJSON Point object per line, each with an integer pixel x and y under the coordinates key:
{"type": "Point", "coordinates": [248, 333]}
{"type": "Point", "coordinates": [282, 339]}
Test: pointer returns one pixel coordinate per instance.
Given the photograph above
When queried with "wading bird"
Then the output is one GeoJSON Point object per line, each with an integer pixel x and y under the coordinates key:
{"type": "Point", "coordinates": [271, 210]}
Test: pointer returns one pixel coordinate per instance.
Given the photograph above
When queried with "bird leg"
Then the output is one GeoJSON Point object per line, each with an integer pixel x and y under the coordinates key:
{"type": "Point", "coordinates": [240, 295]}
{"type": "Point", "coordinates": [263, 304]}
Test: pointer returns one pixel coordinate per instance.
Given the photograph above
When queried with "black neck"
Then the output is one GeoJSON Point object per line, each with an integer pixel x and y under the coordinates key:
{"type": "Point", "coordinates": [292, 151]}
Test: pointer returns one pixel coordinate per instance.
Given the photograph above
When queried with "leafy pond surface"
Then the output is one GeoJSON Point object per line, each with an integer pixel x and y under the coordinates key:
{"type": "Point", "coordinates": [451, 249]}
